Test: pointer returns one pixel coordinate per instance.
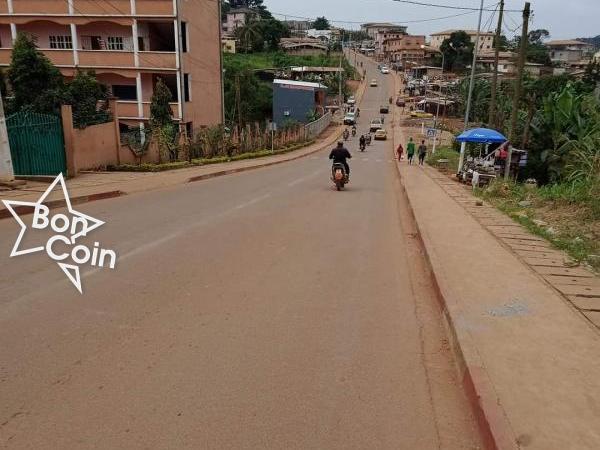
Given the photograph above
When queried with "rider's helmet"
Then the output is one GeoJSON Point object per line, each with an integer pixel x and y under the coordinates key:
{"type": "Point", "coordinates": [340, 144]}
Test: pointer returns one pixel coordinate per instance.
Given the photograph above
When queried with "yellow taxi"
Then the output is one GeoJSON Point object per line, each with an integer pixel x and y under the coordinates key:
{"type": "Point", "coordinates": [380, 135]}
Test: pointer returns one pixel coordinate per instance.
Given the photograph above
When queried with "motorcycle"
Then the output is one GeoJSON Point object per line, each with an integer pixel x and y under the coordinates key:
{"type": "Point", "coordinates": [346, 135]}
{"type": "Point", "coordinates": [338, 175]}
{"type": "Point", "coordinates": [368, 139]}
{"type": "Point", "coordinates": [353, 132]}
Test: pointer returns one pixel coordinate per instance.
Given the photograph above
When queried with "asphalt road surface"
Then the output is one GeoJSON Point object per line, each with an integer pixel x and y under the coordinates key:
{"type": "Point", "coordinates": [263, 310]}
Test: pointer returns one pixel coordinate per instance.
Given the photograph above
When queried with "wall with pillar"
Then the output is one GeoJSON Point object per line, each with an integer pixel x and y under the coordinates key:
{"type": "Point", "coordinates": [98, 146]}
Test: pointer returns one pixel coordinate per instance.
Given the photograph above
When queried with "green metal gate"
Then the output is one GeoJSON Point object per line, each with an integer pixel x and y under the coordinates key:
{"type": "Point", "coordinates": [36, 144]}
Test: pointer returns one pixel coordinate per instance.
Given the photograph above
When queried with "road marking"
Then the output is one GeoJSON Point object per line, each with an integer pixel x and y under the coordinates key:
{"type": "Point", "coordinates": [304, 178]}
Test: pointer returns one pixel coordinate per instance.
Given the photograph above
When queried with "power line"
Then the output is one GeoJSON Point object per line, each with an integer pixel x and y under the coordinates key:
{"type": "Point", "coordinates": [362, 22]}
{"type": "Point", "coordinates": [436, 5]}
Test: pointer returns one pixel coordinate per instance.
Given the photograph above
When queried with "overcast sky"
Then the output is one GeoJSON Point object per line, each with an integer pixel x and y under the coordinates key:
{"type": "Point", "coordinates": [564, 19]}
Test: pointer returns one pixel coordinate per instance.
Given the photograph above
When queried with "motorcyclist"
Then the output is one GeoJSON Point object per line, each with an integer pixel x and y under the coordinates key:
{"type": "Point", "coordinates": [368, 138]}
{"type": "Point", "coordinates": [339, 155]}
{"type": "Point", "coordinates": [353, 130]}
{"type": "Point", "coordinates": [346, 134]}
{"type": "Point", "coordinates": [362, 142]}
{"type": "Point", "coordinates": [357, 112]}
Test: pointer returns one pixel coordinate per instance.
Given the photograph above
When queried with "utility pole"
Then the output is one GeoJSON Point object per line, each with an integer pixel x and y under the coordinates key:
{"type": "Point", "coordinates": [340, 76]}
{"type": "Point", "coordinates": [6, 167]}
{"type": "Point", "coordinates": [238, 100]}
{"type": "Point", "coordinates": [463, 146]}
{"type": "Point", "coordinates": [520, 66]}
{"type": "Point", "coordinates": [492, 113]}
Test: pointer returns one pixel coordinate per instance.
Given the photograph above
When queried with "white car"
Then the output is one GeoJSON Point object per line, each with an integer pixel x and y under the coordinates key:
{"type": "Point", "coordinates": [385, 70]}
{"type": "Point", "coordinates": [350, 118]}
{"type": "Point", "coordinates": [351, 100]}
{"type": "Point", "coordinates": [375, 125]}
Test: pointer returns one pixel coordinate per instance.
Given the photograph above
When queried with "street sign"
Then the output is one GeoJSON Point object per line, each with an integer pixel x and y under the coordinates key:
{"type": "Point", "coordinates": [431, 132]}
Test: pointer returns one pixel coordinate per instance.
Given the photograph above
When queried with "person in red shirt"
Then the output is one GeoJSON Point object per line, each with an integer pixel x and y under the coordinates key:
{"type": "Point", "coordinates": [400, 151]}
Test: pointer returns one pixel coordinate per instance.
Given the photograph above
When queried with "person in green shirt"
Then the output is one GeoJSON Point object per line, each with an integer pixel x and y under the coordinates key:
{"type": "Point", "coordinates": [410, 150]}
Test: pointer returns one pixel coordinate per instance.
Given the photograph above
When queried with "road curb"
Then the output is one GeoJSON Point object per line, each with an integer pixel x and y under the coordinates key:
{"type": "Point", "coordinates": [23, 210]}
{"type": "Point", "coordinates": [494, 426]}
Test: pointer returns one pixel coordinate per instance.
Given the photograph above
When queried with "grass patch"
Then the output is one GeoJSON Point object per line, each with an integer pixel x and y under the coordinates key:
{"type": "Point", "coordinates": [565, 214]}
{"type": "Point", "coordinates": [147, 167]}
{"type": "Point", "coordinates": [444, 153]}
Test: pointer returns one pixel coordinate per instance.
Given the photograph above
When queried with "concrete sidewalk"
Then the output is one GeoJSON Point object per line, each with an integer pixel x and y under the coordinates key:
{"type": "Point", "coordinates": [529, 358]}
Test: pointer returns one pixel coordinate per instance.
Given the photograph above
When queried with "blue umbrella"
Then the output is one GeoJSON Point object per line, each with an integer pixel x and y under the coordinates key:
{"type": "Point", "coordinates": [481, 136]}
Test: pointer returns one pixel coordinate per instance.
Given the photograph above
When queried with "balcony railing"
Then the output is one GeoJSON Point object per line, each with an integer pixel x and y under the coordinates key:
{"type": "Point", "coordinates": [128, 109]}
{"type": "Point", "coordinates": [158, 60]}
{"type": "Point", "coordinates": [105, 58]}
{"type": "Point", "coordinates": [5, 54]}
{"type": "Point", "coordinates": [91, 7]}
{"type": "Point", "coordinates": [59, 57]}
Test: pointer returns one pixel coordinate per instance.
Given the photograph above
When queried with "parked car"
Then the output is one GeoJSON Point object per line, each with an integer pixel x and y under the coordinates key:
{"type": "Point", "coordinates": [373, 82]}
{"type": "Point", "coordinates": [400, 102]}
{"type": "Point", "coordinates": [421, 114]}
{"type": "Point", "coordinates": [385, 70]}
{"type": "Point", "coordinates": [351, 100]}
{"type": "Point", "coordinates": [375, 125]}
{"type": "Point", "coordinates": [350, 118]}
{"type": "Point", "coordinates": [384, 109]}
{"type": "Point", "coordinates": [381, 135]}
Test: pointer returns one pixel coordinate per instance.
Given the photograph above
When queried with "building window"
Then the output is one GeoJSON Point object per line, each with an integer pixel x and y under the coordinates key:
{"type": "Point", "coordinates": [115, 43]}
{"type": "Point", "coordinates": [61, 42]}
{"type": "Point", "coordinates": [184, 37]}
{"type": "Point", "coordinates": [187, 92]}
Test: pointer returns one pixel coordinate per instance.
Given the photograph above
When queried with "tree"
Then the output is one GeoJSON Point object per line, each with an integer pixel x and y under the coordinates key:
{"type": "Point", "coordinates": [592, 73]}
{"type": "Point", "coordinates": [160, 110]}
{"type": "Point", "coordinates": [35, 82]}
{"type": "Point", "coordinates": [537, 52]}
{"type": "Point", "coordinates": [85, 94]}
{"type": "Point", "coordinates": [458, 51]}
{"type": "Point", "coordinates": [321, 23]}
{"type": "Point", "coordinates": [225, 8]}
{"type": "Point", "coordinates": [272, 30]}
{"type": "Point", "coordinates": [250, 36]}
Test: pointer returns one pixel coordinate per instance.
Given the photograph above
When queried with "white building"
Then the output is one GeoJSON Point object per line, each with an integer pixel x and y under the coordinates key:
{"type": "Point", "coordinates": [373, 28]}
{"type": "Point", "coordinates": [567, 51]}
{"type": "Point", "coordinates": [486, 38]}
{"type": "Point", "coordinates": [238, 17]}
{"type": "Point", "coordinates": [332, 35]}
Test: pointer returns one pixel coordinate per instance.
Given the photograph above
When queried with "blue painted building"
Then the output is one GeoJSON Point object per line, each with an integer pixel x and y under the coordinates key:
{"type": "Point", "coordinates": [295, 100]}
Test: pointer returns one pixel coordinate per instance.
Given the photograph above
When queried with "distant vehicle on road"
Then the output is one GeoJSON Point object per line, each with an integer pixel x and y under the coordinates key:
{"type": "Point", "coordinates": [375, 125]}
{"type": "Point", "coordinates": [373, 82]}
{"type": "Point", "coordinates": [385, 70]}
{"type": "Point", "coordinates": [350, 118]}
{"type": "Point", "coordinates": [384, 109]}
{"type": "Point", "coordinates": [351, 100]}
{"type": "Point", "coordinates": [420, 114]}
{"type": "Point", "coordinates": [381, 135]}
{"type": "Point", "coordinates": [400, 102]}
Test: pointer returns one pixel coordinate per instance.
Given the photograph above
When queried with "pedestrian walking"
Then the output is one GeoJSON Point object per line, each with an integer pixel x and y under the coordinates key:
{"type": "Point", "coordinates": [400, 151]}
{"type": "Point", "coordinates": [410, 151]}
{"type": "Point", "coordinates": [422, 153]}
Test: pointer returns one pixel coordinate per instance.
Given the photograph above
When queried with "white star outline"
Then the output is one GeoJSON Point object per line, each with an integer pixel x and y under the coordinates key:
{"type": "Point", "coordinates": [75, 276]}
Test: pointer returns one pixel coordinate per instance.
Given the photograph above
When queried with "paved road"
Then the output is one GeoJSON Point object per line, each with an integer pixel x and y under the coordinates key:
{"type": "Point", "coordinates": [258, 310]}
